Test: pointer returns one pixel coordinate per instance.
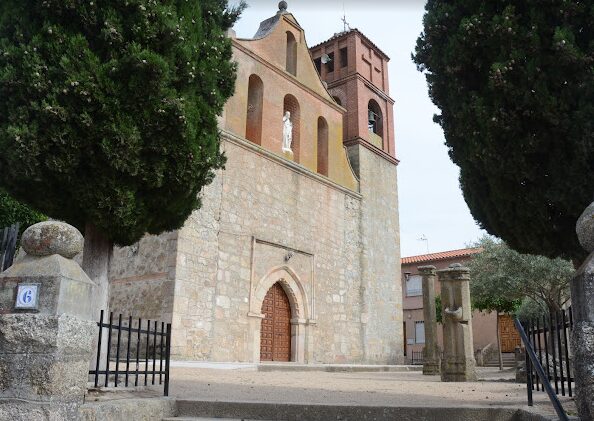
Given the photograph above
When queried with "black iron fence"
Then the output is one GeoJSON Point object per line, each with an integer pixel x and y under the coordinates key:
{"type": "Point", "coordinates": [549, 337]}
{"type": "Point", "coordinates": [548, 356]}
{"type": "Point", "coordinates": [8, 242]}
{"type": "Point", "coordinates": [417, 358]}
{"type": "Point", "coordinates": [132, 353]}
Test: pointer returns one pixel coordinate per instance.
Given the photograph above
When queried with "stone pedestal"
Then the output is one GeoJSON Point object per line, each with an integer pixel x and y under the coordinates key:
{"type": "Point", "coordinates": [458, 364]}
{"type": "Point", "coordinates": [582, 305]}
{"type": "Point", "coordinates": [431, 360]}
{"type": "Point", "coordinates": [46, 327]}
{"type": "Point", "coordinates": [288, 154]}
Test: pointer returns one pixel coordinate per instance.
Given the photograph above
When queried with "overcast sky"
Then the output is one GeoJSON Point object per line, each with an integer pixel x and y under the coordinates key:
{"type": "Point", "coordinates": [431, 203]}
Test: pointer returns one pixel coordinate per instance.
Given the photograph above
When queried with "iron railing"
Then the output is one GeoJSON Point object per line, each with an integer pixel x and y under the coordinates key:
{"type": "Point", "coordinates": [555, 352]}
{"type": "Point", "coordinates": [8, 242]}
{"type": "Point", "coordinates": [149, 355]}
{"type": "Point", "coordinates": [417, 357]}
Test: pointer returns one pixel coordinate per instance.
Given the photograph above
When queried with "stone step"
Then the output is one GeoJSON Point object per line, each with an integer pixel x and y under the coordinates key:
{"type": "Point", "coordinates": [335, 368]}
{"type": "Point", "coordinates": [209, 410]}
{"type": "Point", "coordinates": [205, 419]}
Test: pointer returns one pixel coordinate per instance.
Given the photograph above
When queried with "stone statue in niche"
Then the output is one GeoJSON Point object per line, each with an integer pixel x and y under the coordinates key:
{"type": "Point", "coordinates": [287, 132]}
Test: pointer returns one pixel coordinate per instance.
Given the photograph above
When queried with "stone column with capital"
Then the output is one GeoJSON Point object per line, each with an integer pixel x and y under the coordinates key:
{"type": "Point", "coordinates": [458, 364]}
{"type": "Point", "coordinates": [582, 306]}
{"type": "Point", "coordinates": [431, 360]}
{"type": "Point", "coordinates": [46, 327]}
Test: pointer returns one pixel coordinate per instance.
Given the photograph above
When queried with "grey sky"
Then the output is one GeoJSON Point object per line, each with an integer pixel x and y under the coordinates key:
{"type": "Point", "coordinates": [430, 199]}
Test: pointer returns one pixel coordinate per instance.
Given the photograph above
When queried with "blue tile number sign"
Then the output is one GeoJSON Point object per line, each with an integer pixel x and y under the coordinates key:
{"type": "Point", "coordinates": [27, 296]}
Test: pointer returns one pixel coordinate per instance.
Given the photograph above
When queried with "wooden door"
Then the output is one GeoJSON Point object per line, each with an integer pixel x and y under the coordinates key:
{"type": "Point", "coordinates": [509, 336]}
{"type": "Point", "coordinates": [275, 333]}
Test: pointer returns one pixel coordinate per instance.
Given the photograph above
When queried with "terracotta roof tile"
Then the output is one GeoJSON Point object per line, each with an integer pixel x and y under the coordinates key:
{"type": "Point", "coordinates": [441, 255]}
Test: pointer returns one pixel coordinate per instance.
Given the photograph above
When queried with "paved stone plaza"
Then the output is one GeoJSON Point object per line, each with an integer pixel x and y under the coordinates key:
{"type": "Point", "coordinates": [407, 389]}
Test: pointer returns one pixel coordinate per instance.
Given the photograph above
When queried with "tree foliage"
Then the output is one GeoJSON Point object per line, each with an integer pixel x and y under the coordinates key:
{"type": "Point", "coordinates": [108, 110]}
{"type": "Point", "coordinates": [514, 81]}
{"type": "Point", "coordinates": [12, 211]}
{"type": "Point", "coordinates": [506, 281]}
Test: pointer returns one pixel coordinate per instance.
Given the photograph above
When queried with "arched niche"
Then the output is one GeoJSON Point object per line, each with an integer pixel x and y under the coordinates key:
{"type": "Point", "coordinates": [291, 65]}
{"type": "Point", "coordinates": [255, 103]}
{"type": "Point", "coordinates": [322, 146]}
{"type": "Point", "coordinates": [375, 118]}
{"type": "Point", "coordinates": [291, 105]}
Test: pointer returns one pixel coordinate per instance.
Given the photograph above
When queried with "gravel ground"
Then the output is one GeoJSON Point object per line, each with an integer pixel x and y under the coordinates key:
{"type": "Point", "coordinates": [379, 388]}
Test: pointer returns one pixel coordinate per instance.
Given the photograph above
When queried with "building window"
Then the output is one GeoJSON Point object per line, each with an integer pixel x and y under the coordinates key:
{"type": "Point", "coordinates": [344, 57]}
{"type": "Point", "coordinates": [330, 63]}
{"type": "Point", "coordinates": [414, 286]}
{"type": "Point", "coordinates": [318, 63]}
{"type": "Point", "coordinates": [420, 332]}
{"type": "Point", "coordinates": [253, 125]}
{"type": "Point", "coordinates": [292, 106]}
{"type": "Point", "coordinates": [291, 54]}
{"type": "Point", "coordinates": [322, 146]}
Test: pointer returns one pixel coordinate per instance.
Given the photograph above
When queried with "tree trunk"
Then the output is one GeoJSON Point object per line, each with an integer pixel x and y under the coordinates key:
{"type": "Point", "coordinates": [96, 255]}
{"type": "Point", "coordinates": [499, 345]}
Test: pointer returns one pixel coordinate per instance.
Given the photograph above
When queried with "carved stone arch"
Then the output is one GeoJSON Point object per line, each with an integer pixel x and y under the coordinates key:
{"type": "Point", "coordinates": [300, 312]}
{"type": "Point", "coordinates": [292, 286]}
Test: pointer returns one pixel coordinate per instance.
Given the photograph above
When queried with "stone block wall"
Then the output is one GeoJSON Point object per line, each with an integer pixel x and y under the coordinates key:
{"type": "Point", "coordinates": [381, 293]}
{"type": "Point", "coordinates": [258, 208]}
{"type": "Point", "coordinates": [142, 278]}
{"type": "Point", "coordinates": [210, 277]}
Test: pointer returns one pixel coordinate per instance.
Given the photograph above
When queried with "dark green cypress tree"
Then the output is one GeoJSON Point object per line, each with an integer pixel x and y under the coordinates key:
{"type": "Point", "coordinates": [108, 108]}
{"type": "Point", "coordinates": [514, 80]}
{"type": "Point", "coordinates": [12, 212]}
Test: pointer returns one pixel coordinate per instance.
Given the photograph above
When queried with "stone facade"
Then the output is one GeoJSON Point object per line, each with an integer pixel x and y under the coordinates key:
{"type": "Point", "coordinates": [329, 238]}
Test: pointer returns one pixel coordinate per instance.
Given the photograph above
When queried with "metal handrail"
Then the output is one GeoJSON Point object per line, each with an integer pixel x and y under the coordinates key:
{"type": "Point", "coordinates": [540, 372]}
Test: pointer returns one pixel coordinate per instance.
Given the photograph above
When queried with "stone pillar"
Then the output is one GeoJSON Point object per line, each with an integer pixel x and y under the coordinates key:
{"type": "Point", "coordinates": [458, 364]}
{"type": "Point", "coordinates": [520, 358]}
{"type": "Point", "coordinates": [582, 305]}
{"type": "Point", "coordinates": [46, 327]}
{"type": "Point", "coordinates": [431, 359]}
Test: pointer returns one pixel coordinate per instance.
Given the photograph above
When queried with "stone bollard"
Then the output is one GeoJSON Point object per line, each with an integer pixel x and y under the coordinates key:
{"type": "Point", "coordinates": [458, 364]}
{"type": "Point", "coordinates": [46, 327]}
{"type": "Point", "coordinates": [520, 358]}
{"type": "Point", "coordinates": [431, 359]}
{"type": "Point", "coordinates": [582, 305]}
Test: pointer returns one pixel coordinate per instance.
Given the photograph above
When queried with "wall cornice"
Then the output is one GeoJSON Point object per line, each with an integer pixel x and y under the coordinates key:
{"type": "Point", "coordinates": [374, 149]}
{"type": "Point", "coordinates": [246, 144]}
{"type": "Point", "coordinates": [367, 83]}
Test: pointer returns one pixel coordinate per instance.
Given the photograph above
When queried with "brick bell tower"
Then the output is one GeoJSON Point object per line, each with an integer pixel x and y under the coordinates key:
{"type": "Point", "coordinates": [356, 73]}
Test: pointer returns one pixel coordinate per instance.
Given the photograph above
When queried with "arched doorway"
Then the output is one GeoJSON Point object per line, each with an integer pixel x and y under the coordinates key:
{"type": "Point", "coordinates": [275, 332]}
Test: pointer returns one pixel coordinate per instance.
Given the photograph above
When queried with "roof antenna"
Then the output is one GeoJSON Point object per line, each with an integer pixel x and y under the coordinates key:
{"type": "Point", "coordinates": [426, 240]}
{"type": "Point", "coordinates": [344, 21]}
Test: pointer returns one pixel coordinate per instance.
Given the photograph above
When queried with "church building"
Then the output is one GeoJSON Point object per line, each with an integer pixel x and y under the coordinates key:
{"type": "Point", "coordinates": [294, 255]}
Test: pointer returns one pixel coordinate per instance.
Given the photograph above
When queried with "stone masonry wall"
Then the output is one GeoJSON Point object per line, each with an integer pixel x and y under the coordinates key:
{"type": "Point", "coordinates": [259, 197]}
{"type": "Point", "coordinates": [380, 259]}
{"type": "Point", "coordinates": [142, 277]}
{"type": "Point", "coordinates": [204, 277]}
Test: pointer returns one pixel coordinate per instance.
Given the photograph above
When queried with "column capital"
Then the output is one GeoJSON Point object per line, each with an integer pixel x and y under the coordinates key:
{"type": "Point", "coordinates": [456, 272]}
{"type": "Point", "coordinates": [427, 270]}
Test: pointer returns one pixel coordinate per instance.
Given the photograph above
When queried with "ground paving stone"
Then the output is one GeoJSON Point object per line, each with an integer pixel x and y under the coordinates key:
{"type": "Point", "coordinates": [348, 388]}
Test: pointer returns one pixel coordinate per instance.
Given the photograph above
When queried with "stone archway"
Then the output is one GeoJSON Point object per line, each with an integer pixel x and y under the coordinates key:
{"type": "Point", "coordinates": [291, 285]}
